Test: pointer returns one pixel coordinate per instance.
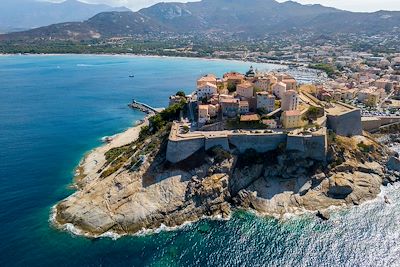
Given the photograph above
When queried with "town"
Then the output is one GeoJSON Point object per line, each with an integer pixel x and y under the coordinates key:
{"type": "Point", "coordinates": [263, 110]}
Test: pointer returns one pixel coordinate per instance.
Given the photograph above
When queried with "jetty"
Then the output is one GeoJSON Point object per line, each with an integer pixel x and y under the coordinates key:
{"type": "Point", "coordinates": [143, 107]}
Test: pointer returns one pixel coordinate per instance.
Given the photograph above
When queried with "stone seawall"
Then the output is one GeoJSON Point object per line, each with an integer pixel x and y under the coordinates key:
{"type": "Point", "coordinates": [346, 124]}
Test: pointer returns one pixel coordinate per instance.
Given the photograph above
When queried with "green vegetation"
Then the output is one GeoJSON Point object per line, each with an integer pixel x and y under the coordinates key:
{"type": "Point", "coordinates": [365, 148]}
{"type": "Point", "coordinates": [231, 87]}
{"type": "Point", "coordinates": [219, 154]}
{"type": "Point", "coordinates": [169, 114]}
{"type": "Point", "coordinates": [331, 137]}
{"type": "Point", "coordinates": [129, 155]}
{"type": "Point", "coordinates": [186, 129]}
{"type": "Point", "coordinates": [114, 153]}
{"type": "Point", "coordinates": [181, 93]}
{"type": "Point", "coordinates": [312, 113]}
{"type": "Point", "coordinates": [329, 69]}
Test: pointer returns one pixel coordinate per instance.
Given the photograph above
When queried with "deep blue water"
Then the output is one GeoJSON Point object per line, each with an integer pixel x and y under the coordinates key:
{"type": "Point", "coordinates": [53, 109]}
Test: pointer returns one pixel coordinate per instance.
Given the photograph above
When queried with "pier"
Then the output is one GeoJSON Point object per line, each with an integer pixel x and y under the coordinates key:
{"type": "Point", "coordinates": [143, 107]}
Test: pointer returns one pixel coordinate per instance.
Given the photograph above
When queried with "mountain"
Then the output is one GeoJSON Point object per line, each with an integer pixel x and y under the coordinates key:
{"type": "Point", "coordinates": [250, 18]}
{"type": "Point", "coordinates": [27, 14]}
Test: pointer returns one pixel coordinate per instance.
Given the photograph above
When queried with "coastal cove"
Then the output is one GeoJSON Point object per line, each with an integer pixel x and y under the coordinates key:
{"type": "Point", "coordinates": [46, 130]}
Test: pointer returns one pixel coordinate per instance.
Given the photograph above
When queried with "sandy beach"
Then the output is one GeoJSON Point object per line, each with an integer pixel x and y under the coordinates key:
{"type": "Point", "coordinates": [95, 159]}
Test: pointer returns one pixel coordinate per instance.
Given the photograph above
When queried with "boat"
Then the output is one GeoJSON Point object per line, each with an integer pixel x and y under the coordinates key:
{"type": "Point", "coordinates": [131, 76]}
{"type": "Point", "coordinates": [107, 139]}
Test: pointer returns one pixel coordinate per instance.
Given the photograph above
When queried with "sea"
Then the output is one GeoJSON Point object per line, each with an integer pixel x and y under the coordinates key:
{"type": "Point", "coordinates": [54, 109]}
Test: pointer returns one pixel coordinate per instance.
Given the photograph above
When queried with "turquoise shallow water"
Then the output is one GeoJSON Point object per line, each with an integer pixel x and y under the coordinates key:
{"type": "Point", "coordinates": [53, 109]}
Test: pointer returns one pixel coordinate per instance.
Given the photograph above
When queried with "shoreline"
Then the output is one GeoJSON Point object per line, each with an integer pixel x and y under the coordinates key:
{"type": "Point", "coordinates": [89, 172]}
{"type": "Point", "coordinates": [271, 62]}
{"type": "Point", "coordinates": [282, 218]}
{"type": "Point", "coordinates": [95, 157]}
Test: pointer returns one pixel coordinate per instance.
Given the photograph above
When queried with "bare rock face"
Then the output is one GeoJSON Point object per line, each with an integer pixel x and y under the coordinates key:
{"type": "Point", "coordinates": [158, 194]}
{"type": "Point", "coordinates": [242, 178]}
{"type": "Point", "coordinates": [340, 186]}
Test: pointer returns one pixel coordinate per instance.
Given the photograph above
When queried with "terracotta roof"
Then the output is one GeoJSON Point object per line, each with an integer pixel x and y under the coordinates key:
{"type": "Point", "coordinates": [229, 100]}
{"type": "Point", "coordinates": [293, 113]}
{"type": "Point", "coordinates": [208, 85]}
{"type": "Point", "coordinates": [208, 78]}
{"type": "Point", "coordinates": [253, 117]}
{"type": "Point", "coordinates": [245, 85]}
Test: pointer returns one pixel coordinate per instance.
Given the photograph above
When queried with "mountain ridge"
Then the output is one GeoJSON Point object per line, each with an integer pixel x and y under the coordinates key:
{"type": "Point", "coordinates": [251, 18]}
{"type": "Point", "coordinates": [24, 15]}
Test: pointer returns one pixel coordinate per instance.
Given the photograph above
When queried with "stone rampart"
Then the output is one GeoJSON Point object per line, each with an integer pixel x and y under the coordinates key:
{"type": "Point", "coordinates": [311, 146]}
{"type": "Point", "coordinates": [217, 141]}
{"type": "Point", "coordinates": [260, 142]}
{"type": "Point", "coordinates": [345, 124]}
{"type": "Point", "coordinates": [182, 149]}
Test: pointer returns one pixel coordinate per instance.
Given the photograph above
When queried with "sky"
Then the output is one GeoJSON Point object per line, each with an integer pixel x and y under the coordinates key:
{"type": "Point", "coordinates": [352, 5]}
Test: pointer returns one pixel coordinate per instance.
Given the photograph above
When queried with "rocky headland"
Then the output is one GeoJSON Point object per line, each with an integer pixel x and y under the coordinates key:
{"type": "Point", "coordinates": [128, 186]}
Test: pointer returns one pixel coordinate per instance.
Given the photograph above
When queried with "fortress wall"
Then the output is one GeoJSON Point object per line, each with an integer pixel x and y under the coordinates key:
{"type": "Point", "coordinates": [217, 141]}
{"type": "Point", "coordinates": [346, 124]}
{"type": "Point", "coordinates": [314, 147]}
{"type": "Point", "coordinates": [181, 150]}
{"type": "Point", "coordinates": [371, 124]}
{"type": "Point", "coordinates": [389, 120]}
{"type": "Point", "coordinates": [261, 143]}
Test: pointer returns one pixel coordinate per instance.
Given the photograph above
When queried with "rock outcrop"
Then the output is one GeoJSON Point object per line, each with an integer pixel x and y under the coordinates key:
{"type": "Point", "coordinates": [136, 188]}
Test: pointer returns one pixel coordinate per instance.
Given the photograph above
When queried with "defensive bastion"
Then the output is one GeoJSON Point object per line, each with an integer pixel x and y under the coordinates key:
{"type": "Point", "coordinates": [183, 145]}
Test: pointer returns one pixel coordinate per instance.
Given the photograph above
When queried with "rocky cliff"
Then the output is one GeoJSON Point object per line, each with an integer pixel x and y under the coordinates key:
{"type": "Point", "coordinates": [136, 188]}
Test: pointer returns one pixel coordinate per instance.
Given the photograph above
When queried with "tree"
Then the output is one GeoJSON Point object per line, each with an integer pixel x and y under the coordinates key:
{"type": "Point", "coordinates": [312, 113]}
{"type": "Point", "coordinates": [181, 93]}
{"type": "Point", "coordinates": [231, 87]}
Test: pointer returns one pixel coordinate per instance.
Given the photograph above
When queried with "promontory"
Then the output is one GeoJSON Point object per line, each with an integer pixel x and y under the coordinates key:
{"type": "Point", "coordinates": [254, 141]}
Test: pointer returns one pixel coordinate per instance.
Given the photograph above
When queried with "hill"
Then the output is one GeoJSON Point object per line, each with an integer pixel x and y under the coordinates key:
{"type": "Point", "coordinates": [250, 18]}
{"type": "Point", "coordinates": [27, 14]}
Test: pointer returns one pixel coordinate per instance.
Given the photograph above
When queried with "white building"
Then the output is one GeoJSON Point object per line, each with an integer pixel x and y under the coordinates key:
{"type": "Point", "coordinates": [266, 101]}
{"type": "Point", "coordinates": [206, 90]}
{"type": "Point", "coordinates": [204, 117]}
{"type": "Point", "coordinates": [290, 100]}
{"type": "Point", "coordinates": [279, 89]}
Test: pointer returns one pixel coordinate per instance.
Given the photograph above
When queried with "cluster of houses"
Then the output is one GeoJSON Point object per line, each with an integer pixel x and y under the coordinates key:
{"type": "Point", "coordinates": [253, 97]}
{"type": "Point", "coordinates": [366, 87]}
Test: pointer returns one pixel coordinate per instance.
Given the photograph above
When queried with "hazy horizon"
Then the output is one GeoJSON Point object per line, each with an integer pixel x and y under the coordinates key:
{"type": "Point", "coordinates": [353, 5]}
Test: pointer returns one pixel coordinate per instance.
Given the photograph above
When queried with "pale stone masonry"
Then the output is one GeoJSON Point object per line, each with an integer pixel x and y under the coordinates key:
{"type": "Point", "coordinates": [290, 100]}
{"type": "Point", "coordinates": [279, 89]}
{"type": "Point", "coordinates": [265, 101]}
{"type": "Point", "coordinates": [182, 146]}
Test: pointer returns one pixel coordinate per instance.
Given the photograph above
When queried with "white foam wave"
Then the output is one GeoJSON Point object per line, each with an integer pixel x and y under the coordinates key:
{"type": "Point", "coordinates": [84, 65]}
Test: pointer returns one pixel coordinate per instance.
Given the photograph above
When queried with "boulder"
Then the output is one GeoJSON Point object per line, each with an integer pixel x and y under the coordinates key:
{"type": "Point", "coordinates": [305, 188]}
{"type": "Point", "coordinates": [393, 164]}
{"type": "Point", "coordinates": [340, 186]}
{"type": "Point", "coordinates": [323, 215]}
